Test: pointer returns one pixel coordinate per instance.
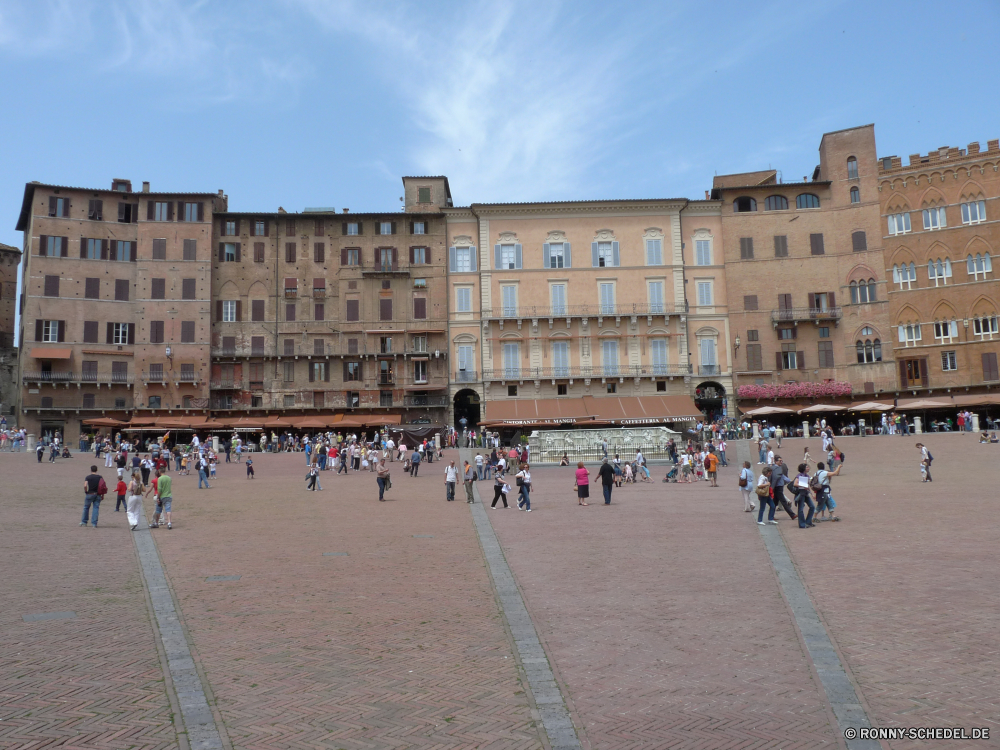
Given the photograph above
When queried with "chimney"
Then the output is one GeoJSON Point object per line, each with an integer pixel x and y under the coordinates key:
{"type": "Point", "coordinates": [281, 210]}
{"type": "Point", "coordinates": [347, 210]}
{"type": "Point", "coordinates": [706, 195]}
{"type": "Point", "coordinates": [145, 186]}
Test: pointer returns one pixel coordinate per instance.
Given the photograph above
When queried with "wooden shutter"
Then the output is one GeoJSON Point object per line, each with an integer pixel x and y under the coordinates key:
{"type": "Point", "coordinates": [816, 244]}
{"type": "Point", "coordinates": [131, 333]}
{"type": "Point", "coordinates": [111, 333]}
{"type": "Point", "coordinates": [218, 310]}
{"type": "Point", "coordinates": [800, 359]}
{"type": "Point", "coordinates": [150, 210]}
{"type": "Point", "coordinates": [90, 331]}
{"type": "Point", "coordinates": [319, 312]}
{"type": "Point", "coordinates": [157, 288]}
{"type": "Point", "coordinates": [343, 228]}
{"type": "Point", "coordinates": [343, 255]}
{"type": "Point", "coordinates": [237, 227]}
{"type": "Point", "coordinates": [312, 373]}
{"type": "Point", "coordinates": [222, 252]}
{"type": "Point", "coordinates": [412, 249]}
{"type": "Point", "coordinates": [345, 371]}
{"type": "Point", "coordinates": [258, 252]}
{"type": "Point", "coordinates": [411, 227]}
{"type": "Point", "coordinates": [319, 252]}
{"type": "Point", "coordinates": [239, 311]}
{"type": "Point", "coordinates": [923, 371]}
{"type": "Point", "coordinates": [832, 296]}
{"type": "Point", "coordinates": [326, 372]}
{"type": "Point", "coordinates": [990, 371]}
{"type": "Point", "coordinates": [238, 248]}
{"type": "Point", "coordinates": [903, 383]}
{"type": "Point", "coordinates": [393, 227]}
{"type": "Point", "coordinates": [61, 334]}
{"type": "Point", "coordinates": [170, 210]}
{"type": "Point", "coordinates": [378, 228]}
{"type": "Point", "coordinates": [189, 289]}
{"type": "Point", "coordinates": [497, 256]}
{"type": "Point", "coordinates": [121, 211]}
{"type": "Point", "coordinates": [859, 241]}
{"type": "Point", "coordinates": [38, 329]}
{"type": "Point", "coordinates": [385, 308]}
{"type": "Point", "coordinates": [105, 249]}
{"type": "Point", "coordinates": [812, 302]}
{"type": "Point", "coordinates": [777, 360]}
{"type": "Point", "coordinates": [43, 240]}
{"type": "Point", "coordinates": [51, 286]}
{"type": "Point", "coordinates": [201, 211]}
{"type": "Point", "coordinates": [180, 211]}
{"type": "Point", "coordinates": [750, 302]}
{"type": "Point", "coordinates": [257, 309]}
{"type": "Point", "coordinates": [64, 249]}
{"type": "Point", "coordinates": [53, 202]}
{"type": "Point", "coordinates": [546, 255]}
{"type": "Point", "coordinates": [353, 310]}
{"type": "Point", "coordinates": [395, 259]}
{"type": "Point", "coordinates": [420, 308]}
{"type": "Point", "coordinates": [361, 227]}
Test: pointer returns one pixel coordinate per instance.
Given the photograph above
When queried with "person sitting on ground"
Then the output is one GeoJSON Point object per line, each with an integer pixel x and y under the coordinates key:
{"type": "Point", "coordinates": [983, 438]}
{"type": "Point", "coordinates": [993, 438]}
{"type": "Point", "coordinates": [564, 461]}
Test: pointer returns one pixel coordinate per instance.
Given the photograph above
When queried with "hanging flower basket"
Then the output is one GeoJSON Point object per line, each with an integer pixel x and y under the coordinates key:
{"type": "Point", "coordinates": [794, 390]}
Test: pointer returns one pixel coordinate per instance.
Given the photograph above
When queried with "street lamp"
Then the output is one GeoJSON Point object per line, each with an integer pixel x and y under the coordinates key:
{"type": "Point", "coordinates": [737, 343]}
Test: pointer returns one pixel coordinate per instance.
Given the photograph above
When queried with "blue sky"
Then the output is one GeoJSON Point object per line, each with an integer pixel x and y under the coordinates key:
{"type": "Point", "coordinates": [328, 102]}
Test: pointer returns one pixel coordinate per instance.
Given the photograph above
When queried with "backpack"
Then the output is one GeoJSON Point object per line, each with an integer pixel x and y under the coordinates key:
{"type": "Point", "coordinates": [102, 487]}
{"type": "Point", "coordinates": [814, 482]}
{"type": "Point", "coordinates": [707, 463]}
{"type": "Point", "coordinates": [930, 458]}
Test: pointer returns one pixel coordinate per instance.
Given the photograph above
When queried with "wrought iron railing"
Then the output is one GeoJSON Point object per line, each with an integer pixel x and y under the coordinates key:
{"type": "Point", "coordinates": [794, 314]}
{"type": "Point", "coordinates": [594, 310]}
{"type": "Point", "coordinates": [103, 378]}
{"type": "Point", "coordinates": [609, 371]}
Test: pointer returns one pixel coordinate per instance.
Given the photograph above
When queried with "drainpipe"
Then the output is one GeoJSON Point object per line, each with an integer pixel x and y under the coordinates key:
{"type": "Point", "coordinates": [687, 307]}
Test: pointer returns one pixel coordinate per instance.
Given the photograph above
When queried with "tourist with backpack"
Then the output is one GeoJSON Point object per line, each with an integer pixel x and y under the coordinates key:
{"type": "Point", "coordinates": [94, 488]}
{"type": "Point", "coordinates": [801, 486]}
{"type": "Point", "coordinates": [820, 484]}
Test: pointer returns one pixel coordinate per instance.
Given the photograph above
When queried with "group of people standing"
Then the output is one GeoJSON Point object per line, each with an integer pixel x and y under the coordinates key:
{"type": "Point", "coordinates": [811, 492]}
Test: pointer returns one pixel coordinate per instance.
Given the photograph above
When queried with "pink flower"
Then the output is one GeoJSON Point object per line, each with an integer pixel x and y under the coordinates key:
{"type": "Point", "coordinates": [808, 390]}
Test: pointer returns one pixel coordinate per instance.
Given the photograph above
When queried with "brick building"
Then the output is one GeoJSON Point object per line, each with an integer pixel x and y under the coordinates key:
{"type": "Point", "coordinates": [116, 291]}
{"type": "Point", "coordinates": [570, 311]}
{"type": "Point", "coordinates": [320, 312]}
{"type": "Point", "coordinates": [808, 299]}
{"type": "Point", "coordinates": [10, 259]}
{"type": "Point", "coordinates": [941, 227]}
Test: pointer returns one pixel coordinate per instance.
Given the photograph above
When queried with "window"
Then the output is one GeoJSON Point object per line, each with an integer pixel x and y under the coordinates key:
{"type": "Point", "coordinates": [990, 371]}
{"type": "Point", "coordinates": [605, 254]}
{"type": "Point", "coordinates": [423, 195]}
{"type": "Point", "coordinates": [419, 227]}
{"type": "Point", "coordinates": [318, 371]}
{"type": "Point", "coordinates": [229, 252]}
{"type": "Point", "coordinates": [562, 389]}
{"type": "Point", "coordinates": [385, 308]}
{"type": "Point", "coordinates": [53, 246]}
{"type": "Point", "coordinates": [887, 162]}
{"type": "Point", "coordinates": [899, 223]}
{"type": "Point", "coordinates": [189, 289]}
{"type": "Point", "coordinates": [557, 295]}
{"type": "Point", "coordinates": [862, 292]}
{"type": "Point", "coordinates": [319, 252]}
{"type": "Point", "coordinates": [418, 255]}
{"type": "Point", "coordinates": [707, 351]}
{"type": "Point", "coordinates": [704, 293]}
{"type": "Point", "coordinates": [612, 387]}
{"type": "Point", "coordinates": [59, 207]}
{"type": "Point", "coordinates": [775, 203]}
{"type": "Point", "coordinates": [319, 228]}
{"type": "Point", "coordinates": [50, 330]}
{"type": "Point", "coordinates": [904, 276]}
{"type": "Point", "coordinates": [95, 210]}
{"type": "Point", "coordinates": [744, 205]}
{"type": "Point", "coordinates": [939, 271]}
{"type": "Point", "coordinates": [257, 309]}
{"type": "Point", "coordinates": [156, 332]}
{"type": "Point", "coordinates": [190, 249]}
{"type": "Point", "coordinates": [194, 211]}
{"type": "Point", "coordinates": [119, 333]}
{"type": "Point", "coordinates": [788, 358]}
{"type": "Point", "coordinates": [656, 306]}
{"type": "Point", "coordinates": [290, 252]}
{"type": "Point", "coordinates": [90, 331]}
{"type": "Point", "coordinates": [463, 259]}
{"type": "Point", "coordinates": [124, 251]}
{"type": "Point", "coordinates": [159, 249]}
{"type": "Point", "coordinates": [353, 310]}
{"type": "Point", "coordinates": [935, 218]}
{"type": "Point", "coordinates": [979, 266]}
{"type": "Point", "coordinates": [92, 288]}
{"type": "Point", "coordinates": [352, 228]}
{"type": "Point", "coordinates": [229, 228]}
{"type": "Point", "coordinates": [121, 290]}
{"type": "Point", "coordinates": [384, 260]}
{"type": "Point", "coordinates": [289, 347]}
{"type": "Point", "coordinates": [746, 248]}
{"type": "Point", "coordinates": [511, 390]}
{"type": "Point", "coordinates": [420, 308]}
{"type": "Point", "coordinates": [509, 296]}
{"type": "Point", "coordinates": [945, 331]}
{"type": "Point", "coordinates": [973, 212]}
{"type": "Point", "coordinates": [187, 331]}
{"type": "Point", "coordinates": [229, 311]}
{"type": "Point", "coordinates": [89, 369]}
{"type": "Point", "coordinates": [93, 251]}
{"type": "Point", "coordinates": [909, 334]}
{"type": "Point", "coordinates": [985, 327]}
{"type": "Point", "coordinates": [463, 299]}
{"type": "Point", "coordinates": [855, 195]}
{"type": "Point", "coordinates": [512, 361]}
{"type": "Point", "coordinates": [258, 252]}
{"type": "Point", "coordinates": [387, 227]}
{"type": "Point", "coordinates": [607, 298]}
{"type": "Point", "coordinates": [750, 302]}
{"type": "Point", "coordinates": [420, 371]}
{"type": "Point", "coordinates": [319, 312]}
{"type": "Point", "coordinates": [420, 344]}
{"type": "Point", "coordinates": [162, 211]}
{"type": "Point", "coordinates": [826, 354]}
{"type": "Point", "coordinates": [154, 401]}
{"type": "Point", "coordinates": [786, 332]}
{"type": "Point", "coordinates": [128, 213]}
{"type": "Point", "coordinates": [948, 361]}
{"type": "Point", "coordinates": [509, 256]}
{"type": "Point", "coordinates": [156, 371]}
{"type": "Point", "coordinates": [157, 288]}
{"type": "Point", "coordinates": [852, 168]}
{"type": "Point", "coordinates": [702, 253]}
{"type": "Point", "coordinates": [753, 335]}
{"type": "Point", "coordinates": [466, 363]}
{"type": "Point", "coordinates": [554, 255]}
{"type": "Point", "coordinates": [755, 359]}
{"type": "Point", "coordinates": [859, 242]}
{"type": "Point", "coordinates": [807, 200]}
{"type": "Point", "coordinates": [290, 312]}
{"type": "Point", "coordinates": [609, 358]}
{"type": "Point", "coordinates": [658, 356]}
{"type": "Point", "coordinates": [350, 256]}
{"type": "Point", "coordinates": [816, 244]}
{"type": "Point", "coordinates": [560, 359]}
{"type": "Point", "coordinates": [51, 288]}
{"type": "Point", "coordinates": [654, 252]}
{"type": "Point", "coordinates": [868, 350]}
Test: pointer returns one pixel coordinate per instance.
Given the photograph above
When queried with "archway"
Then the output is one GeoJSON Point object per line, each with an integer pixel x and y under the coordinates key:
{"type": "Point", "coordinates": [710, 397]}
{"type": "Point", "coordinates": [467, 407]}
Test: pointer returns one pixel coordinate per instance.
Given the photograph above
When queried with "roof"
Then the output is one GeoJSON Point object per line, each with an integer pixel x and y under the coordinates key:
{"type": "Point", "coordinates": [757, 177]}
{"type": "Point", "coordinates": [324, 215]}
{"type": "Point", "coordinates": [581, 202]}
{"type": "Point", "coordinates": [29, 195]}
{"type": "Point", "coordinates": [845, 130]}
{"type": "Point", "coordinates": [774, 185]}
{"type": "Point", "coordinates": [10, 248]}
{"type": "Point", "coordinates": [447, 187]}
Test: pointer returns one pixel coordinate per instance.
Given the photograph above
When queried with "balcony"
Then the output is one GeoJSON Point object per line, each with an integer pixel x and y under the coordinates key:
{"type": "Point", "coordinates": [291, 292]}
{"type": "Point", "coordinates": [77, 377]}
{"type": "Point", "coordinates": [709, 370]}
{"type": "Point", "coordinates": [564, 373]}
{"type": "Point", "coordinates": [319, 291]}
{"type": "Point", "coordinates": [154, 378]}
{"type": "Point", "coordinates": [224, 384]}
{"type": "Point", "coordinates": [800, 314]}
{"type": "Point", "coordinates": [596, 310]}
{"type": "Point", "coordinates": [380, 269]}
{"type": "Point", "coordinates": [414, 400]}
{"type": "Point", "coordinates": [386, 379]}
{"type": "Point", "coordinates": [97, 405]}
{"type": "Point", "coordinates": [466, 376]}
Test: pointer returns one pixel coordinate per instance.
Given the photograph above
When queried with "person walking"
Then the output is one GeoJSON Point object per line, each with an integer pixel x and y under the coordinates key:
{"type": "Point", "coordinates": [382, 479]}
{"type": "Point", "coordinates": [133, 507]}
{"type": "Point", "coordinates": [250, 472]}
{"type": "Point", "coordinates": [414, 463]}
{"type": "Point", "coordinates": [94, 490]}
{"type": "Point", "coordinates": [479, 466]}
{"type": "Point", "coordinates": [470, 477]}
{"type": "Point", "coordinates": [778, 481]}
{"type": "Point", "coordinates": [312, 478]}
{"type": "Point", "coordinates": [523, 479]}
{"type": "Point", "coordinates": [722, 452]}
{"type": "Point", "coordinates": [764, 491]}
{"type": "Point", "coordinates": [711, 468]}
{"type": "Point", "coordinates": [582, 481]}
{"type": "Point", "coordinates": [450, 480]}
{"type": "Point", "coordinates": [824, 500]}
{"type": "Point", "coordinates": [120, 491]}
{"type": "Point", "coordinates": [607, 475]}
{"type": "Point", "coordinates": [925, 463]}
{"type": "Point", "coordinates": [802, 498]}
{"type": "Point", "coordinates": [203, 473]}
{"type": "Point", "coordinates": [499, 485]}
{"type": "Point", "coordinates": [746, 487]}
{"type": "Point", "coordinates": [164, 499]}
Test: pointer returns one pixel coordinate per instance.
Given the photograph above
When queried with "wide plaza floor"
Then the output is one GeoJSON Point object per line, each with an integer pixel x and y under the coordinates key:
{"type": "Point", "coordinates": [331, 620]}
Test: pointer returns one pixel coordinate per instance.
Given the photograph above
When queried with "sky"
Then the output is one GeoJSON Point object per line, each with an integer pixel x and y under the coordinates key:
{"type": "Point", "coordinates": [298, 103]}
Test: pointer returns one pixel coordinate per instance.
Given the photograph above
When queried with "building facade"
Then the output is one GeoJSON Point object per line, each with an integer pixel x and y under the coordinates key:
{"type": "Point", "coordinates": [116, 289]}
{"type": "Point", "coordinates": [940, 220]}
{"type": "Point", "coordinates": [10, 259]}
{"type": "Point", "coordinates": [808, 297]}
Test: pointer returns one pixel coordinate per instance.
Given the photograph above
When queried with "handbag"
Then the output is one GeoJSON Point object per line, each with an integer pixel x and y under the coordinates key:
{"type": "Point", "coordinates": [763, 490]}
{"type": "Point", "coordinates": [743, 481]}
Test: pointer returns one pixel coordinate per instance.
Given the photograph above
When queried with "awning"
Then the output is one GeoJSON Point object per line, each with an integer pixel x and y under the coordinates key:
{"type": "Point", "coordinates": [43, 353]}
{"type": "Point", "coordinates": [871, 406]}
{"type": "Point", "coordinates": [104, 422]}
{"type": "Point", "coordinates": [625, 410]}
{"type": "Point", "coordinates": [983, 399]}
{"type": "Point", "coordinates": [923, 403]}
{"type": "Point", "coordinates": [277, 422]}
{"type": "Point", "coordinates": [368, 420]}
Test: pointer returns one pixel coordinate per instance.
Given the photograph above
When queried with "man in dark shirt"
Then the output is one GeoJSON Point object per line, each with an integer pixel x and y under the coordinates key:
{"type": "Point", "coordinates": [779, 478]}
{"type": "Point", "coordinates": [607, 475]}
{"type": "Point", "coordinates": [122, 463]}
{"type": "Point", "coordinates": [92, 496]}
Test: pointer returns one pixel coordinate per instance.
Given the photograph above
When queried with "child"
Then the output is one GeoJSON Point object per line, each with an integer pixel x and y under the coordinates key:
{"type": "Point", "coordinates": [184, 464]}
{"type": "Point", "coordinates": [121, 489]}
{"type": "Point", "coordinates": [249, 468]}
{"type": "Point", "coordinates": [212, 461]}
{"type": "Point", "coordinates": [628, 474]}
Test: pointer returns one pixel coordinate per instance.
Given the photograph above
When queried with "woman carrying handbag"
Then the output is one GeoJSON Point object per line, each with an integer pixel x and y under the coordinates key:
{"type": "Point", "coordinates": [499, 488]}
{"type": "Point", "coordinates": [524, 485]}
{"type": "Point", "coordinates": [746, 487]}
{"type": "Point", "coordinates": [134, 506]}
{"type": "Point", "coordinates": [763, 491]}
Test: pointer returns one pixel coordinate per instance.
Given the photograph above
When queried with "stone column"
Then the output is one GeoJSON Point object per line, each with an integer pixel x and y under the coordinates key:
{"type": "Point", "coordinates": [756, 430]}
{"type": "Point", "coordinates": [975, 423]}
{"type": "Point", "coordinates": [918, 426]}
{"type": "Point", "coordinates": [861, 428]}
{"type": "Point", "coordinates": [805, 428]}
{"type": "Point", "coordinates": [31, 441]}
{"type": "Point", "coordinates": [215, 443]}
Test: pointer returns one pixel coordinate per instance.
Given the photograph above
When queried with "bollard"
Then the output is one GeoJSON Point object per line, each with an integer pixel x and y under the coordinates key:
{"type": "Point", "coordinates": [918, 426]}
{"type": "Point", "coordinates": [805, 428]}
{"type": "Point", "coordinates": [975, 423]}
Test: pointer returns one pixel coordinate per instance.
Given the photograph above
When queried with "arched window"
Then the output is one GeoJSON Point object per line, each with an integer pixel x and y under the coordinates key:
{"type": "Point", "coordinates": [855, 195]}
{"type": "Point", "coordinates": [807, 200]}
{"type": "Point", "coordinates": [852, 168]}
{"type": "Point", "coordinates": [744, 205]}
{"type": "Point", "coordinates": [939, 271]}
{"type": "Point", "coordinates": [871, 290]}
{"type": "Point", "coordinates": [854, 292]}
{"type": "Point", "coordinates": [868, 350]}
{"type": "Point", "coordinates": [906, 275]}
{"type": "Point", "coordinates": [878, 350]}
{"type": "Point", "coordinates": [978, 266]}
{"type": "Point", "coordinates": [862, 291]}
{"type": "Point", "coordinates": [775, 203]}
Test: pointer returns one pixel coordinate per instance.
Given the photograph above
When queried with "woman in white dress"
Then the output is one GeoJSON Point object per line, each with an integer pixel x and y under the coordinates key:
{"type": "Point", "coordinates": [134, 507]}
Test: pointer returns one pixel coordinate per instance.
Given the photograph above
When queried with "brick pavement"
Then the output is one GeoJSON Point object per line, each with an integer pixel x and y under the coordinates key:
{"type": "Point", "coordinates": [94, 681]}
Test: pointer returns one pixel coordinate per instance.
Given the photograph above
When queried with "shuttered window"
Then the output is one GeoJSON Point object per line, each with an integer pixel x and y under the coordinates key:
{"type": "Point", "coordinates": [51, 286]}
{"type": "Point", "coordinates": [750, 302]}
{"type": "Point", "coordinates": [257, 309]}
{"type": "Point", "coordinates": [319, 312]}
{"type": "Point", "coordinates": [419, 308]}
{"type": "Point", "coordinates": [826, 354]}
{"type": "Point", "coordinates": [290, 311]}
{"type": "Point", "coordinates": [189, 288]}
{"type": "Point", "coordinates": [157, 288]}
{"type": "Point", "coordinates": [353, 310]}
{"type": "Point", "coordinates": [859, 242]}
{"type": "Point", "coordinates": [156, 332]}
{"type": "Point", "coordinates": [92, 288]}
{"type": "Point", "coordinates": [289, 252]}
{"type": "Point", "coordinates": [258, 252]}
{"type": "Point", "coordinates": [190, 249]}
{"type": "Point", "coordinates": [319, 252]}
{"type": "Point", "coordinates": [385, 309]}
{"type": "Point", "coordinates": [121, 290]}
{"type": "Point", "coordinates": [780, 246]}
{"type": "Point", "coordinates": [746, 248]}
{"type": "Point", "coordinates": [816, 244]}
{"type": "Point", "coordinates": [289, 347]}
{"type": "Point", "coordinates": [90, 331]}
{"type": "Point", "coordinates": [319, 346]}
{"type": "Point", "coordinates": [990, 371]}
{"type": "Point", "coordinates": [187, 331]}
{"type": "Point", "coordinates": [159, 249]}
{"type": "Point", "coordinates": [755, 360]}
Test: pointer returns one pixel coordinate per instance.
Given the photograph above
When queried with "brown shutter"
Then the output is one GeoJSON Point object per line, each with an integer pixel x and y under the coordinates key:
{"type": "Point", "coordinates": [42, 243]}
{"type": "Point", "coordinates": [111, 333]}
{"type": "Point", "coordinates": [343, 256]}
{"type": "Point", "coordinates": [312, 373]}
{"type": "Point", "coordinates": [816, 244]}
{"type": "Point", "coordinates": [237, 227]}
{"type": "Point", "coordinates": [61, 333]}
{"type": "Point", "coordinates": [395, 259]}
{"type": "Point", "coordinates": [361, 227]}
{"type": "Point", "coordinates": [411, 252]}
{"type": "Point", "coordinates": [795, 332]}
{"type": "Point", "coordinates": [170, 210]}
{"type": "Point", "coordinates": [378, 227]}
{"type": "Point", "coordinates": [777, 360]}
{"type": "Point", "coordinates": [64, 250]}
{"type": "Point", "coordinates": [427, 255]}
{"type": "Point", "coordinates": [135, 213]}
{"type": "Point", "coordinates": [201, 212]}
{"type": "Point", "coordinates": [133, 251]}
{"type": "Point", "coordinates": [180, 211]}
{"type": "Point", "coordinates": [800, 359]}
{"type": "Point", "coordinates": [990, 371]}
{"type": "Point", "coordinates": [267, 228]}
{"type": "Point", "coordinates": [218, 310]}
{"type": "Point", "coordinates": [411, 227]}
{"type": "Point", "coordinates": [83, 247]}
{"type": "Point", "coordinates": [833, 299]}
{"type": "Point", "coordinates": [420, 308]}
{"type": "Point", "coordinates": [52, 205]}
{"type": "Point", "coordinates": [40, 322]}
{"type": "Point", "coordinates": [902, 374]}
{"type": "Point", "coordinates": [222, 252]}
{"type": "Point", "coordinates": [105, 249]}
{"type": "Point", "coordinates": [812, 301]}
{"type": "Point", "coordinates": [860, 241]}
{"type": "Point", "coordinates": [131, 333]}
{"type": "Point", "coordinates": [923, 371]}
{"type": "Point", "coordinates": [150, 210]}
{"type": "Point", "coordinates": [238, 248]}
{"type": "Point", "coordinates": [239, 311]}
{"type": "Point", "coordinates": [343, 228]}
{"type": "Point", "coordinates": [345, 371]}
{"type": "Point", "coordinates": [393, 227]}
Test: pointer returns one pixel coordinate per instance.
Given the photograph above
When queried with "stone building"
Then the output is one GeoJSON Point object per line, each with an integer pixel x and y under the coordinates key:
{"type": "Point", "coordinates": [940, 215]}
{"type": "Point", "coordinates": [568, 312]}
{"type": "Point", "coordinates": [321, 312]}
{"type": "Point", "coordinates": [116, 293]}
{"type": "Point", "coordinates": [10, 258]}
{"type": "Point", "coordinates": [808, 297]}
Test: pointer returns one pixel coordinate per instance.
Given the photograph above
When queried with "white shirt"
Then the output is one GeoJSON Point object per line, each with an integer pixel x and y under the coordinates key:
{"type": "Point", "coordinates": [450, 474]}
{"type": "Point", "coordinates": [770, 457]}
{"type": "Point", "coordinates": [638, 457]}
{"type": "Point", "coordinates": [479, 460]}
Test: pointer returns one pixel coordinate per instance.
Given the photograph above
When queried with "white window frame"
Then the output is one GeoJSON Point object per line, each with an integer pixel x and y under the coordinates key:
{"type": "Point", "coordinates": [656, 306]}
{"type": "Point", "coordinates": [904, 275]}
{"type": "Point", "coordinates": [50, 331]}
{"type": "Point", "coordinates": [160, 209]}
{"type": "Point", "coordinates": [352, 228]}
{"type": "Point", "coordinates": [229, 311]}
{"type": "Point", "coordinates": [935, 218]}
{"type": "Point", "coordinates": [119, 333]}
{"type": "Point", "coordinates": [978, 266]}
{"type": "Point", "coordinates": [945, 331]}
{"type": "Point", "coordinates": [985, 327]}
{"type": "Point", "coordinates": [420, 371]}
{"type": "Point", "coordinates": [463, 259]}
{"type": "Point", "coordinates": [463, 299]}
{"type": "Point", "coordinates": [610, 369]}
{"type": "Point", "coordinates": [606, 298]}
{"type": "Point", "coordinates": [939, 271]}
{"type": "Point", "coordinates": [466, 358]}
{"type": "Point", "coordinates": [511, 360]}
{"type": "Point", "coordinates": [560, 359]}
{"type": "Point", "coordinates": [230, 252]}
{"type": "Point", "coordinates": [557, 299]}
{"type": "Point", "coordinates": [974, 212]}
{"type": "Point", "coordinates": [420, 344]}
{"type": "Point", "coordinates": [385, 227]}
{"type": "Point", "coordinates": [420, 227]}
{"type": "Point", "coordinates": [706, 287]}
{"type": "Point", "coordinates": [419, 256]}
{"type": "Point", "coordinates": [654, 252]}
{"type": "Point", "coordinates": [606, 254]}
{"type": "Point", "coordinates": [508, 297]}
{"type": "Point", "coordinates": [899, 223]}
{"type": "Point", "coordinates": [659, 356]}
{"type": "Point", "coordinates": [949, 361]}
{"type": "Point", "coordinates": [909, 334]}
{"type": "Point", "coordinates": [557, 254]}
{"type": "Point", "coordinates": [703, 252]}
{"type": "Point", "coordinates": [508, 256]}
